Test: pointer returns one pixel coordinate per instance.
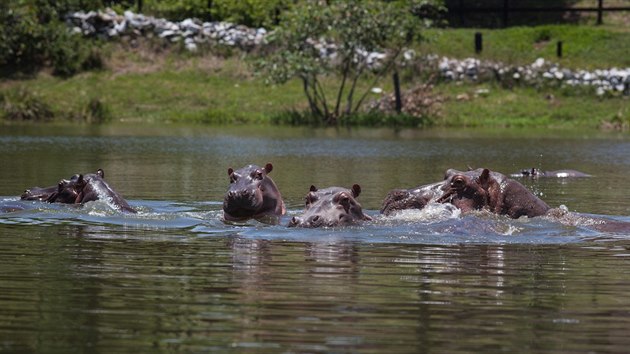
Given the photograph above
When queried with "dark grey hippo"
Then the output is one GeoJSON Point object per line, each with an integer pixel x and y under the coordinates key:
{"type": "Point", "coordinates": [38, 193]}
{"type": "Point", "coordinates": [328, 207]}
{"type": "Point", "coordinates": [252, 195]}
{"type": "Point", "coordinates": [80, 189]}
{"type": "Point", "coordinates": [535, 173]}
{"type": "Point", "coordinates": [470, 190]}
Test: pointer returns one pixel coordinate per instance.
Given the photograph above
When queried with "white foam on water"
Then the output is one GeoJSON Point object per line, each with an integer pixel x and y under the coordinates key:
{"type": "Point", "coordinates": [433, 212]}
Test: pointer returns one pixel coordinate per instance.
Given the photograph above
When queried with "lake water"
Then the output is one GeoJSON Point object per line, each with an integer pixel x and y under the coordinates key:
{"type": "Point", "coordinates": [174, 277]}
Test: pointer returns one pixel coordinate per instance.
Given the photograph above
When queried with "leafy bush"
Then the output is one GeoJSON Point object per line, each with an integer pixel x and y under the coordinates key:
{"type": "Point", "coordinates": [253, 13]}
{"type": "Point", "coordinates": [352, 27]}
{"type": "Point", "coordinates": [32, 36]}
{"type": "Point", "coordinates": [23, 105]}
{"type": "Point", "coordinates": [95, 112]}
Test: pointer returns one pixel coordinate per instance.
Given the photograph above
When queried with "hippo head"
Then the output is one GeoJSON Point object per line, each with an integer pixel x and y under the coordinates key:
{"type": "Point", "coordinates": [532, 172]}
{"type": "Point", "coordinates": [251, 193]}
{"type": "Point", "coordinates": [38, 193]}
{"type": "Point", "coordinates": [329, 207]}
{"type": "Point", "coordinates": [467, 192]}
{"type": "Point", "coordinates": [70, 191]}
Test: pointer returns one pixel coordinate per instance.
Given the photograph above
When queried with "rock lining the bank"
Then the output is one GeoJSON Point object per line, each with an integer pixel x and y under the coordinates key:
{"type": "Point", "coordinates": [108, 24]}
{"type": "Point", "coordinates": [539, 73]}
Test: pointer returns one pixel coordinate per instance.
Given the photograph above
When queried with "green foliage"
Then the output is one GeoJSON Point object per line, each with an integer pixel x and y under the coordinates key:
{"type": "Point", "coordinates": [95, 111]}
{"type": "Point", "coordinates": [33, 36]}
{"type": "Point", "coordinates": [254, 13]}
{"type": "Point", "coordinates": [23, 105]}
{"type": "Point", "coordinates": [353, 27]}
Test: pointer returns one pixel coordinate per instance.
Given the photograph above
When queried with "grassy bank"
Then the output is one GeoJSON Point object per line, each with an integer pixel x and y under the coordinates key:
{"type": "Point", "coordinates": [144, 85]}
{"type": "Point", "coordinates": [584, 47]}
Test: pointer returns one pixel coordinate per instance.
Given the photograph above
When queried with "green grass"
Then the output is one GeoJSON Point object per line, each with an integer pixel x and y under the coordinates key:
{"type": "Point", "coordinates": [527, 107]}
{"type": "Point", "coordinates": [186, 88]}
{"type": "Point", "coordinates": [586, 47]}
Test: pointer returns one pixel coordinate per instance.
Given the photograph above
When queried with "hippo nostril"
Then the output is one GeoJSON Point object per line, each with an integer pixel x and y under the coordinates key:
{"type": "Point", "coordinates": [295, 221]}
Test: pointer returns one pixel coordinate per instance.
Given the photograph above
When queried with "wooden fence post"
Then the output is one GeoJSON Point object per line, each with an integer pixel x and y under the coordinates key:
{"type": "Point", "coordinates": [139, 6]}
{"type": "Point", "coordinates": [559, 49]}
{"type": "Point", "coordinates": [600, 10]}
{"type": "Point", "coordinates": [478, 42]}
{"type": "Point", "coordinates": [397, 92]}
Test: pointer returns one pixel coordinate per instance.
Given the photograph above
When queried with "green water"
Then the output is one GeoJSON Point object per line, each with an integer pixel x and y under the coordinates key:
{"type": "Point", "coordinates": [176, 278]}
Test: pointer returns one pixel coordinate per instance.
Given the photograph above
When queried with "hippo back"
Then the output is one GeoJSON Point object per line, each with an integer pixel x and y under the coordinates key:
{"type": "Point", "coordinates": [97, 189]}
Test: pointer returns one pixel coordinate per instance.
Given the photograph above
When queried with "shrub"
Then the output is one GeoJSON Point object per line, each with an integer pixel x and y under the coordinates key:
{"type": "Point", "coordinates": [23, 105]}
{"type": "Point", "coordinates": [32, 36]}
{"type": "Point", "coordinates": [95, 112]}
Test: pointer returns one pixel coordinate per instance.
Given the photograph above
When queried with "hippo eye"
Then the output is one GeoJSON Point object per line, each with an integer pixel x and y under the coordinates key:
{"type": "Point", "coordinates": [258, 175]}
{"type": "Point", "coordinates": [458, 182]}
{"type": "Point", "coordinates": [310, 199]}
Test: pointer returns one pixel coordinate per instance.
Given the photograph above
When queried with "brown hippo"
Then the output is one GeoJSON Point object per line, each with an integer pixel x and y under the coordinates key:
{"type": "Point", "coordinates": [419, 197]}
{"type": "Point", "coordinates": [81, 189]}
{"type": "Point", "coordinates": [252, 195]}
{"type": "Point", "coordinates": [470, 190]}
{"type": "Point", "coordinates": [328, 207]}
{"type": "Point", "coordinates": [494, 191]}
{"type": "Point", "coordinates": [535, 173]}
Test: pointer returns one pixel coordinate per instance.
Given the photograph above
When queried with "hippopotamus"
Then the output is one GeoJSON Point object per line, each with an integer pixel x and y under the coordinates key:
{"type": "Point", "coordinates": [252, 195]}
{"type": "Point", "coordinates": [419, 197]}
{"type": "Point", "coordinates": [332, 206]}
{"type": "Point", "coordinates": [38, 193]}
{"type": "Point", "coordinates": [535, 173]}
{"type": "Point", "coordinates": [470, 190]}
{"type": "Point", "coordinates": [80, 189]}
{"type": "Point", "coordinates": [494, 191]}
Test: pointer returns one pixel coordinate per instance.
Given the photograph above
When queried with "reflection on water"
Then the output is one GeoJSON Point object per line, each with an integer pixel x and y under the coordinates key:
{"type": "Point", "coordinates": [174, 277]}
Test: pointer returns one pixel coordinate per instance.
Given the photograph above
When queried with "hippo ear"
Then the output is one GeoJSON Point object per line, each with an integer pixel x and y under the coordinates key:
{"type": "Point", "coordinates": [484, 177]}
{"type": "Point", "coordinates": [100, 173]}
{"type": "Point", "coordinates": [230, 171]}
{"type": "Point", "coordinates": [356, 190]}
{"type": "Point", "coordinates": [268, 168]}
{"type": "Point", "coordinates": [313, 188]}
{"type": "Point", "coordinates": [80, 180]}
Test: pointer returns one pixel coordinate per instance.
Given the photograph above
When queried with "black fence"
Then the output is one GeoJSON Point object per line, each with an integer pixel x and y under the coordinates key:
{"type": "Point", "coordinates": [504, 13]}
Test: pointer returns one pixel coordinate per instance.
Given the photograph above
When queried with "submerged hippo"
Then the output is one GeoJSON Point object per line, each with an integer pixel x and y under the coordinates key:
{"type": "Point", "coordinates": [492, 191]}
{"type": "Point", "coordinates": [419, 197]}
{"type": "Point", "coordinates": [328, 207]}
{"type": "Point", "coordinates": [81, 189]}
{"type": "Point", "coordinates": [534, 173]}
{"type": "Point", "coordinates": [470, 190]}
{"type": "Point", "coordinates": [38, 193]}
{"type": "Point", "coordinates": [252, 195]}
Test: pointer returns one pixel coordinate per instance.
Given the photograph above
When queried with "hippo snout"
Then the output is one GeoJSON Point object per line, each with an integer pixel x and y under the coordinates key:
{"type": "Point", "coordinates": [295, 221]}
{"type": "Point", "coordinates": [311, 221]}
